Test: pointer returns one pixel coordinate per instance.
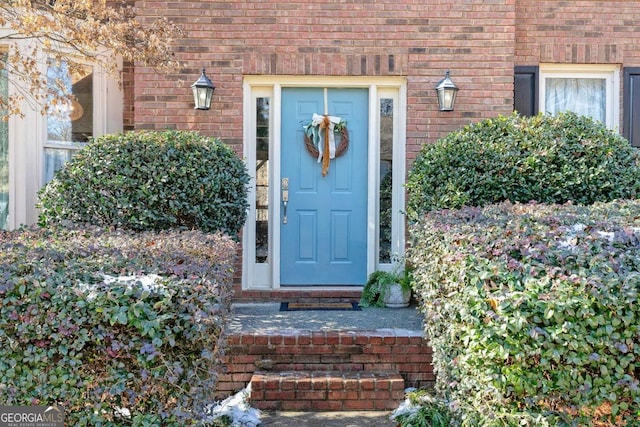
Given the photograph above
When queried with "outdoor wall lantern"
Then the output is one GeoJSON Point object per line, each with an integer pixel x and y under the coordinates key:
{"type": "Point", "coordinates": [447, 92]}
{"type": "Point", "coordinates": [202, 92]}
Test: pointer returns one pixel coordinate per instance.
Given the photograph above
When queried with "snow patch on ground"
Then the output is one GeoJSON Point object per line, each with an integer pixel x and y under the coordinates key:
{"type": "Point", "coordinates": [237, 409]}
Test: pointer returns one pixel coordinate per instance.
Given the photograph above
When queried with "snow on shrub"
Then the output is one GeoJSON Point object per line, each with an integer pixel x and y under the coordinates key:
{"type": "Point", "coordinates": [118, 328]}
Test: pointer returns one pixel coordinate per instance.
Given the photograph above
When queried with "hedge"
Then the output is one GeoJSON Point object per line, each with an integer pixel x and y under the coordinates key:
{"type": "Point", "coordinates": [548, 159]}
{"type": "Point", "coordinates": [533, 312]}
{"type": "Point", "coordinates": [118, 328]}
{"type": "Point", "coordinates": [149, 180]}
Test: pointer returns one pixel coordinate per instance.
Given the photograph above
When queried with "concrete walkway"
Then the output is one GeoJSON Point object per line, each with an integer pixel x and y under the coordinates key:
{"type": "Point", "coordinates": [268, 317]}
{"type": "Point", "coordinates": [327, 419]}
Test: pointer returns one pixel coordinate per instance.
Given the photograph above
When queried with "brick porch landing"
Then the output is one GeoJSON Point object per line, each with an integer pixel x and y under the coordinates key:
{"type": "Point", "coordinates": [325, 360]}
{"type": "Point", "coordinates": [298, 294]}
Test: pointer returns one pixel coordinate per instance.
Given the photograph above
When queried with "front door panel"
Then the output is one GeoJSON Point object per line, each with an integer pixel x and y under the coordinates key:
{"type": "Point", "coordinates": [324, 239]}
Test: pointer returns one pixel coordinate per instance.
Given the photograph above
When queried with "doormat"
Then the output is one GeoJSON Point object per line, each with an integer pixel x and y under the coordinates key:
{"type": "Point", "coordinates": [302, 306]}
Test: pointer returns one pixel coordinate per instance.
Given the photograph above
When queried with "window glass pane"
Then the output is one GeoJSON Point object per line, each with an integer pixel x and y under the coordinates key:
{"type": "Point", "coordinates": [584, 96]}
{"type": "Point", "coordinates": [4, 150]}
{"type": "Point", "coordinates": [386, 179]}
{"type": "Point", "coordinates": [54, 159]}
{"type": "Point", "coordinates": [70, 122]}
{"type": "Point", "coordinates": [262, 180]}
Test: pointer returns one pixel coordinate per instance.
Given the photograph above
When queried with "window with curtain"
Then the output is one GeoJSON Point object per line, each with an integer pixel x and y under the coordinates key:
{"type": "Point", "coordinates": [585, 89]}
{"type": "Point", "coordinates": [584, 96]}
{"type": "Point", "coordinates": [70, 123]}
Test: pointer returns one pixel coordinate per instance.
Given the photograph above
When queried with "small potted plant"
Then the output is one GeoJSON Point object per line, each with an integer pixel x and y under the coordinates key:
{"type": "Point", "coordinates": [387, 289]}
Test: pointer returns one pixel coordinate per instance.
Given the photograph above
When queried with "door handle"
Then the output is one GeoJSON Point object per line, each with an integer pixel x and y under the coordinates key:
{"type": "Point", "coordinates": [285, 198]}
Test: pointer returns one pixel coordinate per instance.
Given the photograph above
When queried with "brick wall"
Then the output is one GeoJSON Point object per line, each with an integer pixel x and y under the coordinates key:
{"type": "Point", "coordinates": [578, 32]}
{"type": "Point", "coordinates": [128, 88]}
{"type": "Point", "coordinates": [417, 39]}
{"type": "Point", "coordinates": [589, 32]}
{"type": "Point", "coordinates": [478, 40]}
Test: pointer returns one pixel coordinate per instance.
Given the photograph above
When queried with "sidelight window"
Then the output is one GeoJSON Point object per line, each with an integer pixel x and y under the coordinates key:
{"type": "Point", "coordinates": [262, 180]}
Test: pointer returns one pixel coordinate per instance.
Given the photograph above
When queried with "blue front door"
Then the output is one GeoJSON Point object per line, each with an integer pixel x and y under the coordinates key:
{"type": "Point", "coordinates": [324, 238]}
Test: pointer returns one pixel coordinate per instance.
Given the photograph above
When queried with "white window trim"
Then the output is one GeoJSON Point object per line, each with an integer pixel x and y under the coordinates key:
{"type": "Point", "coordinates": [258, 274]}
{"type": "Point", "coordinates": [28, 138]}
{"type": "Point", "coordinates": [265, 276]}
{"type": "Point", "coordinates": [107, 114]}
{"type": "Point", "coordinates": [611, 73]}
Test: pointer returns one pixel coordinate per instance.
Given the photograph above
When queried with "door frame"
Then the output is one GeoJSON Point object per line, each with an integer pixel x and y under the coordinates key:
{"type": "Point", "coordinates": [265, 276]}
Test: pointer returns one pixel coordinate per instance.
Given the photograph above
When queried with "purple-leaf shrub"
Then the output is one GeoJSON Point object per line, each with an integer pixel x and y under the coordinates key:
{"type": "Point", "coordinates": [119, 328]}
{"type": "Point", "coordinates": [533, 312]}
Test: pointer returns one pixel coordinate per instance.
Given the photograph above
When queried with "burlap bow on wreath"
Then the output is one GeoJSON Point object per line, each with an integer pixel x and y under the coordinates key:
{"type": "Point", "coordinates": [319, 139]}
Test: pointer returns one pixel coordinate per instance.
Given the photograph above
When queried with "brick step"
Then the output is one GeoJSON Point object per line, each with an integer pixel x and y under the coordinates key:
{"type": "Point", "coordinates": [326, 391]}
{"type": "Point", "coordinates": [404, 352]}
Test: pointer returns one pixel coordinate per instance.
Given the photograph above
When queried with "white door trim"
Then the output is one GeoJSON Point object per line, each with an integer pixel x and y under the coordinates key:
{"type": "Point", "coordinates": [267, 275]}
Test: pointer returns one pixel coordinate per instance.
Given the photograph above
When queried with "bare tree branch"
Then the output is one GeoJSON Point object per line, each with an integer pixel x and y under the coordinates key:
{"type": "Point", "coordinates": [75, 30]}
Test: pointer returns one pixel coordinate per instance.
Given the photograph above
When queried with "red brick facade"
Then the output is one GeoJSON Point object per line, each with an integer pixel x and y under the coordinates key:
{"type": "Point", "coordinates": [418, 39]}
{"type": "Point", "coordinates": [480, 41]}
{"type": "Point", "coordinates": [578, 32]}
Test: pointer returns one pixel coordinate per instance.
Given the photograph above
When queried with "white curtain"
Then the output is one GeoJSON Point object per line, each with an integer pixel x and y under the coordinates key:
{"type": "Point", "coordinates": [54, 159]}
{"type": "Point", "coordinates": [584, 96]}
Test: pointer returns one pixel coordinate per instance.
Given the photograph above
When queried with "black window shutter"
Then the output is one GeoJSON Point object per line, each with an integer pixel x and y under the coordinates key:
{"type": "Point", "coordinates": [525, 94]}
{"type": "Point", "coordinates": [631, 105]}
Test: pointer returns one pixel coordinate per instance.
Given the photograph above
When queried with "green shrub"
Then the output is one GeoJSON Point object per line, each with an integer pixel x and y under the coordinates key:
{"type": "Point", "coordinates": [73, 335]}
{"type": "Point", "coordinates": [533, 312]}
{"type": "Point", "coordinates": [150, 181]}
{"type": "Point", "coordinates": [543, 158]}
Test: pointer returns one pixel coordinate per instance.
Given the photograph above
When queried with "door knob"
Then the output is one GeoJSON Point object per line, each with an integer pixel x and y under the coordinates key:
{"type": "Point", "coordinates": [285, 198]}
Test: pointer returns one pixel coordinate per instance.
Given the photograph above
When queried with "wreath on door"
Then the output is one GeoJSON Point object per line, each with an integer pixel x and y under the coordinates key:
{"type": "Point", "coordinates": [320, 139]}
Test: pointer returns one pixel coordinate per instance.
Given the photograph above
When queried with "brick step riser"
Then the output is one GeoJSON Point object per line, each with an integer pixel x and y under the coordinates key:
{"type": "Point", "coordinates": [329, 391]}
{"type": "Point", "coordinates": [348, 351]}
